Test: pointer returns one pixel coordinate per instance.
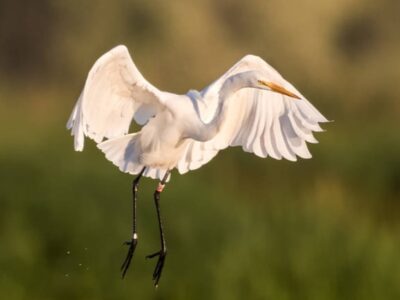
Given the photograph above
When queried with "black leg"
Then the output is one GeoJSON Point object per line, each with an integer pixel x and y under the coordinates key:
{"type": "Point", "coordinates": [133, 242]}
{"type": "Point", "coordinates": [163, 252]}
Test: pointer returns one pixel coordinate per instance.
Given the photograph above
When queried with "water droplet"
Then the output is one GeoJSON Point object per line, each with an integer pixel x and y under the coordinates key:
{"type": "Point", "coordinates": [80, 265]}
{"type": "Point", "coordinates": [67, 275]}
{"type": "Point", "coordinates": [68, 252]}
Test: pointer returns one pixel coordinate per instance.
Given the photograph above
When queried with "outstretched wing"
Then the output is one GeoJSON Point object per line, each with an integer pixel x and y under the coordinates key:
{"type": "Point", "coordinates": [115, 93]}
{"type": "Point", "coordinates": [262, 122]}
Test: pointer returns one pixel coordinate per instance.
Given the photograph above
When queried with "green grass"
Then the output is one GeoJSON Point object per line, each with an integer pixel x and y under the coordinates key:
{"type": "Point", "coordinates": [239, 227]}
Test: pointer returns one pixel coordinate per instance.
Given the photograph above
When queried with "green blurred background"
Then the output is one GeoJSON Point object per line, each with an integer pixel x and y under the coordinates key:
{"type": "Point", "coordinates": [240, 227]}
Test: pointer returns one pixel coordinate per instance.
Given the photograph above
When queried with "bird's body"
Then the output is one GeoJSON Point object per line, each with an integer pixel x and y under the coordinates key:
{"type": "Point", "coordinates": [251, 106]}
{"type": "Point", "coordinates": [186, 131]}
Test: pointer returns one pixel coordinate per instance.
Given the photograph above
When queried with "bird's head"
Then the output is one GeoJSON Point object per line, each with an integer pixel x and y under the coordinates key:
{"type": "Point", "coordinates": [261, 80]}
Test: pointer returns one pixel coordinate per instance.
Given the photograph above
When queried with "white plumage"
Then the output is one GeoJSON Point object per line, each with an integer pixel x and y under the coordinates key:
{"type": "Point", "coordinates": [251, 106]}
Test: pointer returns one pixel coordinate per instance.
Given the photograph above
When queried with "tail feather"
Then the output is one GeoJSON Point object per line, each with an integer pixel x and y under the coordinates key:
{"type": "Point", "coordinates": [124, 152]}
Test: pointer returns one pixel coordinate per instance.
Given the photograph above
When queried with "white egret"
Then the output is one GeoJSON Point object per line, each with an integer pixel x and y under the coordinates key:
{"type": "Point", "coordinates": [251, 105]}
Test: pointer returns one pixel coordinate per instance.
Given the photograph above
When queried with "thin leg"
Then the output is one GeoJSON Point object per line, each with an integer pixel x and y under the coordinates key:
{"type": "Point", "coordinates": [163, 252]}
{"type": "Point", "coordinates": [133, 242]}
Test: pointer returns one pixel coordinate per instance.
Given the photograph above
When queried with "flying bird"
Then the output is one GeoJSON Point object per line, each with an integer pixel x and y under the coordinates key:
{"type": "Point", "coordinates": [251, 106]}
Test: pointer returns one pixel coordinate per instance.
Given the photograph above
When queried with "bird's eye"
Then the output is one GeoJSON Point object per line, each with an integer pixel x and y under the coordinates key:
{"type": "Point", "coordinates": [262, 82]}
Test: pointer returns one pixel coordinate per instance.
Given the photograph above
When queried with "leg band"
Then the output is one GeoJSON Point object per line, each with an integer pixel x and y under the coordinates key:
{"type": "Point", "coordinates": [160, 187]}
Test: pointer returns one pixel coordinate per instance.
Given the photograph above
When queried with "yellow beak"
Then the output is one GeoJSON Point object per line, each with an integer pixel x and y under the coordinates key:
{"type": "Point", "coordinates": [278, 89]}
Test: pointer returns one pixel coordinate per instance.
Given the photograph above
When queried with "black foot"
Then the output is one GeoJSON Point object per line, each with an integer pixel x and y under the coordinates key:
{"type": "Point", "coordinates": [132, 246]}
{"type": "Point", "coordinates": [162, 254]}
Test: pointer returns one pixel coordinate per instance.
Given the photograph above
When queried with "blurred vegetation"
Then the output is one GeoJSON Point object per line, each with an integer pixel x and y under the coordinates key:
{"type": "Point", "coordinates": [240, 227]}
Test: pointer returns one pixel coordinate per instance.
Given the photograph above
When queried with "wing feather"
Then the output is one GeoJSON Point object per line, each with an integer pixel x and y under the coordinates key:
{"type": "Point", "coordinates": [115, 92]}
{"type": "Point", "coordinates": [262, 122]}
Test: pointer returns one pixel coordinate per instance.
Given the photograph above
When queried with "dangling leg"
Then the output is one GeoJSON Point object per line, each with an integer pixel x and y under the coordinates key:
{"type": "Point", "coordinates": [133, 242]}
{"type": "Point", "coordinates": [163, 252]}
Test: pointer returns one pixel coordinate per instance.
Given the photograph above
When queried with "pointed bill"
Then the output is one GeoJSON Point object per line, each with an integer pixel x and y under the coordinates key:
{"type": "Point", "coordinates": [279, 89]}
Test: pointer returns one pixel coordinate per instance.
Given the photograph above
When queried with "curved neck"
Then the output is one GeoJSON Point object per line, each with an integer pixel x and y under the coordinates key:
{"type": "Point", "coordinates": [236, 82]}
{"type": "Point", "coordinates": [230, 86]}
